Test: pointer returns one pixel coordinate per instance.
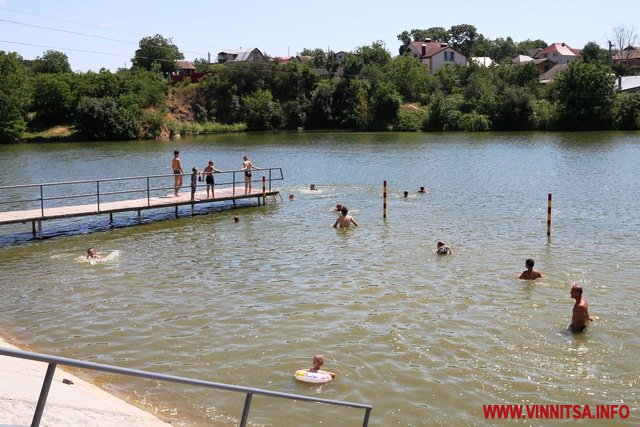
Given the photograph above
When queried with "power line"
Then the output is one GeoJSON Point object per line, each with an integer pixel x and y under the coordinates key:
{"type": "Point", "coordinates": [99, 26]}
{"type": "Point", "coordinates": [77, 33]}
{"type": "Point", "coordinates": [66, 49]}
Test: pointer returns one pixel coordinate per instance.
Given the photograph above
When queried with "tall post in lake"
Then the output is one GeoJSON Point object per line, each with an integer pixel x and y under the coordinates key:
{"type": "Point", "coordinates": [549, 217]}
{"type": "Point", "coordinates": [384, 200]}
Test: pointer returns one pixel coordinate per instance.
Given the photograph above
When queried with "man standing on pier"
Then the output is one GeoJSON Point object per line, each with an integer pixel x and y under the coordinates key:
{"type": "Point", "coordinates": [178, 173]}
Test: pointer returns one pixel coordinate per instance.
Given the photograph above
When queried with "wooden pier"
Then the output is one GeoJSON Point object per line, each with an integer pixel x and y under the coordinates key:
{"type": "Point", "coordinates": [228, 187]}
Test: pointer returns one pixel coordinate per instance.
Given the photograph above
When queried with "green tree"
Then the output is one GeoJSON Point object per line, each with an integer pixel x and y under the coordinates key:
{"type": "Point", "coordinates": [52, 62]}
{"type": "Point", "coordinates": [386, 105]}
{"type": "Point", "coordinates": [320, 114]}
{"type": "Point", "coordinates": [504, 49]}
{"type": "Point", "coordinates": [627, 111]}
{"type": "Point", "coordinates": [261, 112]}
{"type": "Point", "coordinates": [14, 96]}
{"type": "Point", "coordinates": [52, 99]}
{"type": "Point", "coordinates": [376, 54]}
{"type": "Point", "coordinates": [462, 38]}
{"type": "Point", "coordinates": [525, 46]}
{"type": "Point", "coordinates": [104, 118]}
{"type": "Point", "coordinates": [411, 78]}
{"type": "Point", "coordinates": [157, 50]}
{"type": "Point", "coordinates": [350, 107]}
{"type": "Point", "coordinates": [585, 94]}
{"type": "Point", "coordinates": [592, 52]}
{"type": "Point", "coordinates": [319, 56]}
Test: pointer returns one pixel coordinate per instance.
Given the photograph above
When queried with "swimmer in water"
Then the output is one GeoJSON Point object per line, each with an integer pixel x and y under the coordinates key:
{"type": "Point", "coordinates": [344, 220]}
{"type": "Point", "coordinates": [442, 248]}
{"type": "Point", "coordinates": [91, 253]}
{"type": "Point", "coordinates": [422, 190]}
{"type": "Point", "coordinates": [530, 273]}
{"type": "Point", "coordinates": [318, 361]}
{"type": "Point", "coordinates": [580, 315]}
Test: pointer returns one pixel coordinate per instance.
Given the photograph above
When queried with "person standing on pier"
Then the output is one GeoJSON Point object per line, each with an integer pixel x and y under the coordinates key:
{"type": "Point", "coordinates": [208, 172]}
{"type": "Point", "coordinates": [178, 173]}
{"type": "Point", "coordinates": [247, 167]}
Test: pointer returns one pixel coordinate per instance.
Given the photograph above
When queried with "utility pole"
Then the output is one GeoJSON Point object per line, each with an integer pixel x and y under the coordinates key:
{"type": "Point", "coordinates": [610, 58]}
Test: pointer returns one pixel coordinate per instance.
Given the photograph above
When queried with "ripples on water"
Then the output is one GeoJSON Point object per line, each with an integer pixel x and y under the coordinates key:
{"type": "Point", "coordinates": [426, 339]}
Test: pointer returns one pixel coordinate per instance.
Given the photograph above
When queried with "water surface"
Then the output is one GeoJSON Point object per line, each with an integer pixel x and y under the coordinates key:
{"type": "Point", "coordinates": [426, 340]}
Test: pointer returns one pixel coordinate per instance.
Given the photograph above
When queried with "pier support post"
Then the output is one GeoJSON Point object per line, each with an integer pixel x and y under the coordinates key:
{"type": "Point", "coordinates": [33, 229]}
{"type": "Point", "coordinates": [40, 236]}
{"type": "Point", "coordinates": [264, 190]}
{"type": "Point", "coordinates": [110, 218]}
{"type": "Point", "coordinates": [139, 219]}
{"type": "Point", "coordinates": [176, 211]}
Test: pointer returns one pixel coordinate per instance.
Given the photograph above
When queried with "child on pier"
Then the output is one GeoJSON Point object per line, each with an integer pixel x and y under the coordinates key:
{"type": "Point", "coordinates": [194, 182]}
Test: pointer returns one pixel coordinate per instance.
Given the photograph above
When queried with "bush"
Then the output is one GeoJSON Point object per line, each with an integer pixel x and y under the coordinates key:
{"type": "Point", "coordinates": [544, 115]}
{"type": "Point", "coordinates": [410, 118]}
{"type": "Point", "coordinates": [261, 112]}
{"type": "Point", "coordinates": [626, 113]}
{"type": "Point", "coordinates": [104, 118]}
{"type": "Point", "coordinates": [474, 122]}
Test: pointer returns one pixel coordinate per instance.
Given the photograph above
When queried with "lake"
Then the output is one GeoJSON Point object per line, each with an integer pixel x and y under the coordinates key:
{"type": "Point", "coordinates": [425, 339]}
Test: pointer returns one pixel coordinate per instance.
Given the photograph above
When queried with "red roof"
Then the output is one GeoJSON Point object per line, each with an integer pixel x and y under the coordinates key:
{"type": "Point", "coordinates": [431, 48]}
{"type": "Point", "coordinates": [562, 48]}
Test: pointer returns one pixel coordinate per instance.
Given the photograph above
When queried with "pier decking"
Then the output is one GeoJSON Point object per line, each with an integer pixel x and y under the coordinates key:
{"type": "Point", "coordinates": [109, 196]}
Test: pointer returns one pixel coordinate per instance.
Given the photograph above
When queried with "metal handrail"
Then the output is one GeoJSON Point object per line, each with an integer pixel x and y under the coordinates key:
{"type": "Point", "coordinates": [99, 196]}
{"type": "Point", "coordinates": [53, 361]}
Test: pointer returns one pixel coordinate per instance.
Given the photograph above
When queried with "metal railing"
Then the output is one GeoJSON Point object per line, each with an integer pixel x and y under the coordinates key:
{"type": "Point", "coordinates": [56, 194]}
{"type": "Point", "coordinates": [53, 361]}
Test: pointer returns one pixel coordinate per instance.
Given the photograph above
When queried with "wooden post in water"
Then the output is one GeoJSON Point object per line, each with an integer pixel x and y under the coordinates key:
{"type": "Point", "coordinates": [549, 216]}
{"type": "Point", "coordinates": [264, 190]}
{"type": "Point", "coordinates": [384, 200]}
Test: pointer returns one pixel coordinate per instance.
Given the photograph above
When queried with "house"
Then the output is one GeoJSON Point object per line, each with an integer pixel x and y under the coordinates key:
{"type": "Point", "coordinates": [553, 72]}
{"type": "Point", "coordinates": [185, 68]}
{"type": "Point", "coordinates": [521, 59]}
{"type": "Point", "coordinates": [559, 53]}
{"type": "Point", "coordinates": [629, 84]}
{"type": "Point", "coordinates": [483, 61]}
{"type": "Point", "coordinates": [246, 55]}
{"type": "Point", "coordinates": [629, 57]}
{"type": "Point", "coordinates": [435, 54]}
{"type": "Point", "coordinates": [340, 56]}
{"type": "Point", "coordinates": [543, 64]}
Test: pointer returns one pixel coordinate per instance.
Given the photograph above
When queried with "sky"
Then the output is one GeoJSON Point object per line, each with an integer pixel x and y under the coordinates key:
{"type": "Point", "coordinates": [97, 34]}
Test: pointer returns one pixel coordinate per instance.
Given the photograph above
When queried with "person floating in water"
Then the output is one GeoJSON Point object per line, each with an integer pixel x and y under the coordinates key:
{"type": "Point", "coordinates": [442, 248]}
{"type": "Point", "coordinates": [344, 220]}
{"type": "Point", "coordinates": [91, 254]}
{"type": "Point", "coordinates": [580, 315]}
{"type": "Point", "coordinates": [338, 207]}
{"type": "Point", "coordinates": [422, 190]}
{"type": "Point", "coordinates": [318, 361]}
{"type": "Point", "coordinates": [530, 273]}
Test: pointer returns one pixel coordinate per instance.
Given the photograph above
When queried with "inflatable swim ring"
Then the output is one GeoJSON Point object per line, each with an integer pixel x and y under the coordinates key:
{"type": "Point", "coordinates": [312, 377]}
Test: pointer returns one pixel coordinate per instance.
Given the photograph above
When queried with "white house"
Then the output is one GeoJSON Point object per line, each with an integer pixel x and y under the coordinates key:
{"type": "Point", "coordinates": [435, 54]}
{"type": "Point", "coordinates": [560, 53]}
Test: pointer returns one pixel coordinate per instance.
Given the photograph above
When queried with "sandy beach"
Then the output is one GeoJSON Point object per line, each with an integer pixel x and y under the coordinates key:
{"type": "Point", "coordinates": [76, 404]}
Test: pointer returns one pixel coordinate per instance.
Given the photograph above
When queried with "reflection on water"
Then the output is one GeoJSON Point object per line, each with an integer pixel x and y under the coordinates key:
{"type": "Point", "coordinates": [427, 340]}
